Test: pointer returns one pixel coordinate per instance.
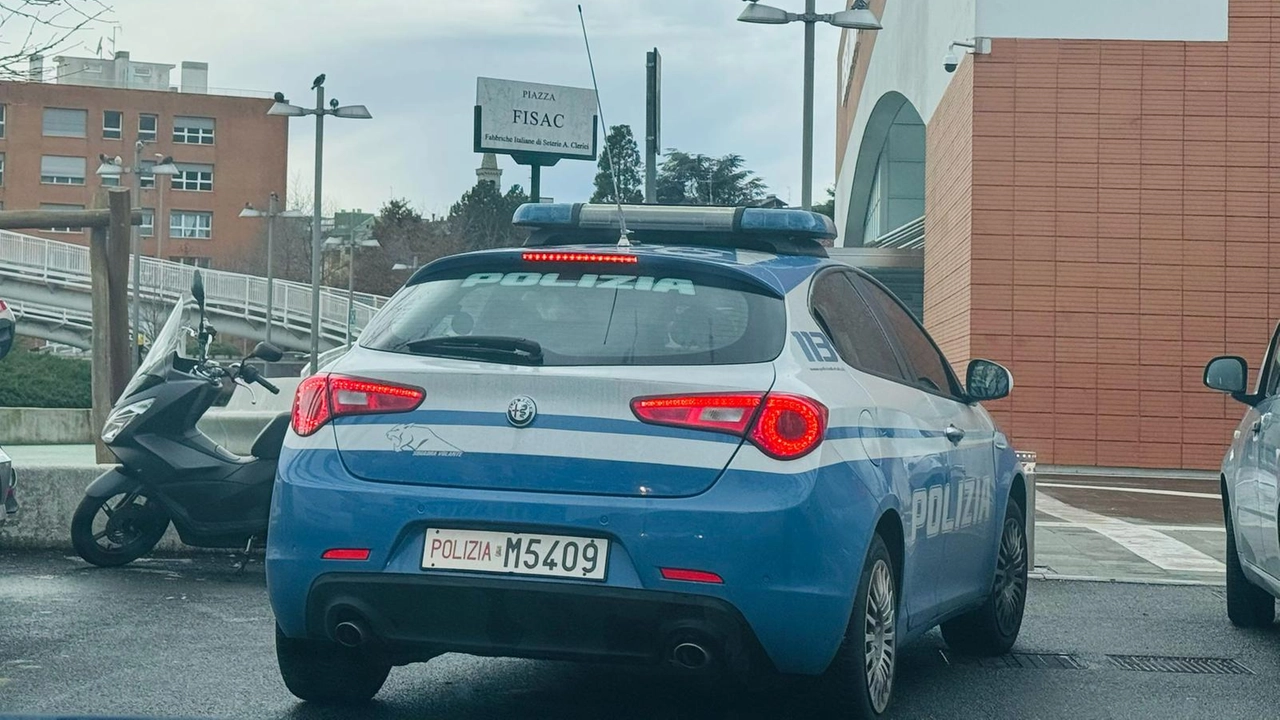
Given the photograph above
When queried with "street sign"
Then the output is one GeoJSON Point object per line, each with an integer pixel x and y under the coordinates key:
{"type": "Point", "coordinates": [537, 124]}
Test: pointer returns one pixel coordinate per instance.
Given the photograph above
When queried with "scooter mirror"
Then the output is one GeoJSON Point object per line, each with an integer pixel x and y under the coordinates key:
{"type": "Point", "coordinates": [197, 289]}
{"type": "Point", "coordinates": [266, 351]}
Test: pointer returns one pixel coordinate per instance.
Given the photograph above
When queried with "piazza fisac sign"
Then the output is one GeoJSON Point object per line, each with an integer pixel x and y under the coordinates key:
{"type": "Point", "coordinates": [535, 123]}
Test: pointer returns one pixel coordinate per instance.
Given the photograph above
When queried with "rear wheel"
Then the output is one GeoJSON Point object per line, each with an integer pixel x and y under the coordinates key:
{"type": "Point", "coordinates": [992, 628]}
{"type": "Point", "coordinates": [325, 672]}
{"type": "Point", "coordinates": [116, 530]}
{"type": "Point", "coordinates": [1247, 604]}
{"type": "Point", "coordinates": [860, 679]}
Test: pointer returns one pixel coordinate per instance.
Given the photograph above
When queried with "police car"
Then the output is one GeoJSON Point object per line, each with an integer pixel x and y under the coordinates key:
{"type": "Point", "coordinates": [1250, 501]}
{"type": "Point", "coordinates": [709, 446]}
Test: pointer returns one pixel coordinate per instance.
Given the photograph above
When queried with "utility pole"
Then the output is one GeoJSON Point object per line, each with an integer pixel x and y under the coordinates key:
{"type": "Point", "coordinates": [315, 231]}
{"type": "Point", "coordinates": [135, 246]}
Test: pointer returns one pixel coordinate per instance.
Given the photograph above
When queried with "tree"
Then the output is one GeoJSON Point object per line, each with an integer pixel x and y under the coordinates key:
{"type": "Point", "coordinates": [481, 219]}
{"type": "Point", "coordinates": [697, 179]}
{"type": "Point", "coordinates": [42, 27]}
{"type": "Point", "coordinates": [828, 208]}
{"type": "Point", "coordinates": [621, 147]}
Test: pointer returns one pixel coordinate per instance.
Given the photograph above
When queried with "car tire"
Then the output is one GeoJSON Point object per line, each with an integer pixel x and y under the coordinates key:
{"type": "Point", "coordinates": [859, 681]}
{"type": "Point", "coordinates": [993, 627]}
{"type": "Point", "coordinates": [1248, 606]}
{"type": "Point", "coordinates": [327, 673]}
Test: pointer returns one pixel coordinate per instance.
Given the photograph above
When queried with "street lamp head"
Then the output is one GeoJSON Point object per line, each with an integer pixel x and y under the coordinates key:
{"type": "Point", "coordinates": [353, 112]}
{"type": "Point", "coordinates": [109, 167]}
{"type": "Point", "coordinates": [858, 17]}
{"type": "Point", "coordinates": [765, 15]}
{"type": "Point", "coordinates": [294, 214]}
{"type": "Point", "coordinates": [166, 166]}
{"type": "Point", "coordinates": [250, 212]}
{"type": "Point", "coordinates": [286, 110]}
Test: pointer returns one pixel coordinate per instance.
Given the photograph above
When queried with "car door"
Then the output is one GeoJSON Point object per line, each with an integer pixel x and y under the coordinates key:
{"type": "Point", "coordinates": [906, 430]}
{"type": "Point", "coordinates": [1259, 467]}
{"type": "Point", "coordinates": [967, 496]}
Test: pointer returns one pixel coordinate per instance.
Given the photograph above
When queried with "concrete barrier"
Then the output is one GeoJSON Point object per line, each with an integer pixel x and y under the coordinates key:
{"type": "Point", "coordinates": [48, 497]}
{"type": "Point", "coordinates": [44, 426]}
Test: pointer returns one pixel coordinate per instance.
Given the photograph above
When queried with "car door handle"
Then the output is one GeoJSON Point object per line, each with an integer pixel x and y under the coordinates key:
{"type": "Point", "coordinates": [954, 434]}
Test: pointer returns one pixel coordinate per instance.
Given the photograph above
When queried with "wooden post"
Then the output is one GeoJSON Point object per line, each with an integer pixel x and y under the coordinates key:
{"type": "Point", "coordinates": [109, 270]}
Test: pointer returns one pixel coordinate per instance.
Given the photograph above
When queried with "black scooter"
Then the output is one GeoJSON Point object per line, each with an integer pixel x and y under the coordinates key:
{"type": "Point", "coordinates": [170, 471]}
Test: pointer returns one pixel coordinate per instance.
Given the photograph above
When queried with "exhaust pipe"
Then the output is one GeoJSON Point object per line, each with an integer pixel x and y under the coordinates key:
{"type": "Point", "coordinates": [350, 633]}
{"type": "Point", "coordinates": [691, 656]}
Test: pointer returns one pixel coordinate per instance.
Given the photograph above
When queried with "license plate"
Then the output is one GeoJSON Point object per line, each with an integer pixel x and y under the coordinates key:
{"type": "Point", "coordinates": [516, 553]}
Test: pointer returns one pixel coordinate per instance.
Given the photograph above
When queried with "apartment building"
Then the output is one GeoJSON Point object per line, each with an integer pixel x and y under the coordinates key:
{"type": "Point", "coordinates": [227, 150]}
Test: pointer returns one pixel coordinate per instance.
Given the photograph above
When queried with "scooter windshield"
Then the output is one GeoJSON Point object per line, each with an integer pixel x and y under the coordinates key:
{"type": "Point", "coordinates": [167, 343]}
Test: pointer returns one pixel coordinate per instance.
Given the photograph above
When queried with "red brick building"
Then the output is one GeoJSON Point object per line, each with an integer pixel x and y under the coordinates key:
{"type": "Point", "coordinates": [1101, 196]}
{"type": "Point", "coordinates": [228, 150]}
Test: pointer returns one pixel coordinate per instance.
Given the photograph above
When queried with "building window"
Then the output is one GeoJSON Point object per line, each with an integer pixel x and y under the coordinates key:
{"type": "Point", "coordinates": [145, 178]}
{"type": "Point", "coordinates": [2, 107]}
{"type": "Point", "coordinates": [193, 130]}
{"type": "Point", "coordinates": [1, 169]}
{"type": "Point", "coordinates": [190, 224]}
{"type": "Point", "coordinates": [110, 180]}
{"type": "Point", "coordinates": [60, 170]}
{"type": "Point", "coordinates": [148, 226]}
{"type": "Point", "coordinates": [193, 177]}
{"type": "Point", "coordinates": [61, 122]}
{"type": "Point", "coordinates": [112, 124]}
{"type": "Point", "coordinates": [200, 262]}
{"type": "Point", "coordinates": [55, 206]}
{"type": "Point", "coordinates": [147, 127]}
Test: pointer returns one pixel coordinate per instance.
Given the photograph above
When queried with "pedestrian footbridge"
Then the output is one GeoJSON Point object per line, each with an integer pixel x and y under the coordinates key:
{"type": "Point", "coordinates": [47, 283]}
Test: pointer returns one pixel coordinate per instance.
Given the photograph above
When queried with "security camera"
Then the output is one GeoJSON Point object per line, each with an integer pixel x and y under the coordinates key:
{"type": "Point", "coordinates": [950, 62]}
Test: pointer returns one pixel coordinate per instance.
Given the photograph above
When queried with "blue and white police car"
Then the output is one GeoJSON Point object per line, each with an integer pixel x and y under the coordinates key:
{"type": "Point", "coordinates": [710, 446]}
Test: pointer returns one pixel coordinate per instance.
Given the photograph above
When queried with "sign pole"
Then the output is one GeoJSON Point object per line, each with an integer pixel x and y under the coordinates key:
{"type": "Point", "coordinates": [653, 124]}
{"type": "Point", "coordinates": [535, 183]}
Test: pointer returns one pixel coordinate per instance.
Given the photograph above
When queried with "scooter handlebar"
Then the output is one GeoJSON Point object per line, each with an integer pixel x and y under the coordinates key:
{"type": "Point", "coordinates": [268, 385]}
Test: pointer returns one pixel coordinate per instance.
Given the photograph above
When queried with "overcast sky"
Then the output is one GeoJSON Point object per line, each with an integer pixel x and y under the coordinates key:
{"type": "Point", "coordinates": [729, 87]}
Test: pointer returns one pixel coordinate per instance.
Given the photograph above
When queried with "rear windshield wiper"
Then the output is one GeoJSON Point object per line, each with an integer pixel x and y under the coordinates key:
{"type": "Point", "coordinates": [480, 347]}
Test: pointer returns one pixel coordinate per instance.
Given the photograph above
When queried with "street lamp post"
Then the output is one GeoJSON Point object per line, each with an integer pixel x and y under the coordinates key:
{"type": "Point", "coordinates": [857, 17]}
{"type": "Point", "coordinates": [284, 109]}
{"type": "Point", "coordinates": [271, 214]}
{"type": "Point", "coordinates": [351, 242]}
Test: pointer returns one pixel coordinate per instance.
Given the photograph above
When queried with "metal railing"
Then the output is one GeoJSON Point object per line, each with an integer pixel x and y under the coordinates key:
{"type": "Point", "coordinates": [52, 263]}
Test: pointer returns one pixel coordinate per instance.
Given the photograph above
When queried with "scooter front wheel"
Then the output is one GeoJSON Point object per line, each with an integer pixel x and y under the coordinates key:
{"type": "Point", "coordinates": [118, 529]}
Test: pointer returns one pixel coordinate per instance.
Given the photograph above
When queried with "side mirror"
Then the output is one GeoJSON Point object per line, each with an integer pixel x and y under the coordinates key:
{"type": "Point", "coordinates": [197, 289]}
{"type": "Point", "coordinates": [265, 351]}
{"type": "Point", "coordinates": [1227, 374]}
{"type": "Point", "coordinates": [987, 381]}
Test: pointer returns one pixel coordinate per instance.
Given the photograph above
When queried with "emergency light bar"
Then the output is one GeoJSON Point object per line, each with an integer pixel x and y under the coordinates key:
{"type": "Point", "coordinates": [796, 224]}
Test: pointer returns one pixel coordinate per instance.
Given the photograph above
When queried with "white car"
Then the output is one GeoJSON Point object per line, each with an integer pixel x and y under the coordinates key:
{"type": "Point", "coordinates": [1250, 500]}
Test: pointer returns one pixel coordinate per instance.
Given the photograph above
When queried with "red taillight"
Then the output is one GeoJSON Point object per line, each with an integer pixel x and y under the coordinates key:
{"type": "Point", "coordinates": [346, 554]}
{"type": "Point", "coordinates": [616, 258]}
{"type": "Point", "coordinates": [781, 425]}
{"type": "Point", "coordinates": [311, 405]}
{"type": "Point", "coordinates": [323, 397]}
{"type": "Point", "coordinates": [3, 306]}
{"type": "Point", "coordinates": [691, 576]}
{"type": "Point", "coordinates": [789, 426]}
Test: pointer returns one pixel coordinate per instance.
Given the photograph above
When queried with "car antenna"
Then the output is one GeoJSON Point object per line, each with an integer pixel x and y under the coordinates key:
{"type": "Point", "coordinates": [624, 240]}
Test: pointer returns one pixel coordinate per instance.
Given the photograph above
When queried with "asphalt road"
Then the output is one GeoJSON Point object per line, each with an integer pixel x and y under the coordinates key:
{"type": "Point", "coordinates": [192, 638]}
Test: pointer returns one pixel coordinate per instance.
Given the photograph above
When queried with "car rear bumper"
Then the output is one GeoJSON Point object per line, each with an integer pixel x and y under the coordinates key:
{"type": "Point", "coordinates": [415, 617]}
{"type": "Point", "coordinates": [788, 547]}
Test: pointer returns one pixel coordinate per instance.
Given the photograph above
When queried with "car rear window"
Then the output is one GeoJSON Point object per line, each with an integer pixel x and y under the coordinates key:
{"type": "Point", "coordinates": [590, 315]}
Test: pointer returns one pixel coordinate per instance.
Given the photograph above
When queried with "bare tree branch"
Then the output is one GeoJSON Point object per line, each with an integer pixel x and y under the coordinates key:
{"type": "Point", "coordinates": [45, 26]}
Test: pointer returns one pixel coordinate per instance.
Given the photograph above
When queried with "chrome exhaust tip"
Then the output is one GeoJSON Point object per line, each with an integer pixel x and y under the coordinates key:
{"type": "Point", "coordinates": [350, 633]}
{"type": "Point", "coordinates": [690, 656]}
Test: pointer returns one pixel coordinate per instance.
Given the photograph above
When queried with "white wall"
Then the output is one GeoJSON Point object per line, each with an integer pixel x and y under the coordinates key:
{"type": "Point", "coordinates": [1103, 19]}
{"type": "Point", "coordinates": [908, 59]}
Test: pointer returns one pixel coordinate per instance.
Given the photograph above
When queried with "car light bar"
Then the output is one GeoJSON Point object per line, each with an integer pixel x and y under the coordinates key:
{"type": "Point", "coordinates": [617, 258]}
{"type": "Point", "coordinates": [700, 576]}
{"type": "Point", "coordinates": [789, 222]}
{"type": "Point", "coordinates": [346, 554]}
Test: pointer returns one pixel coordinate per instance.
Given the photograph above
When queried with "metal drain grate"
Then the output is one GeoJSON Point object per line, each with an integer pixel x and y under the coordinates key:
{"type": "Point", "coordinates": [1022, 661]}
{"type": "Point", "coordinates": [1193, 665]}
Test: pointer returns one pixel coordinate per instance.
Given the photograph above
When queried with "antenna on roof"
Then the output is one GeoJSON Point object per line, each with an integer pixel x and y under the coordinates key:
{"type": "Point", "coordinates": [624, 240]}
